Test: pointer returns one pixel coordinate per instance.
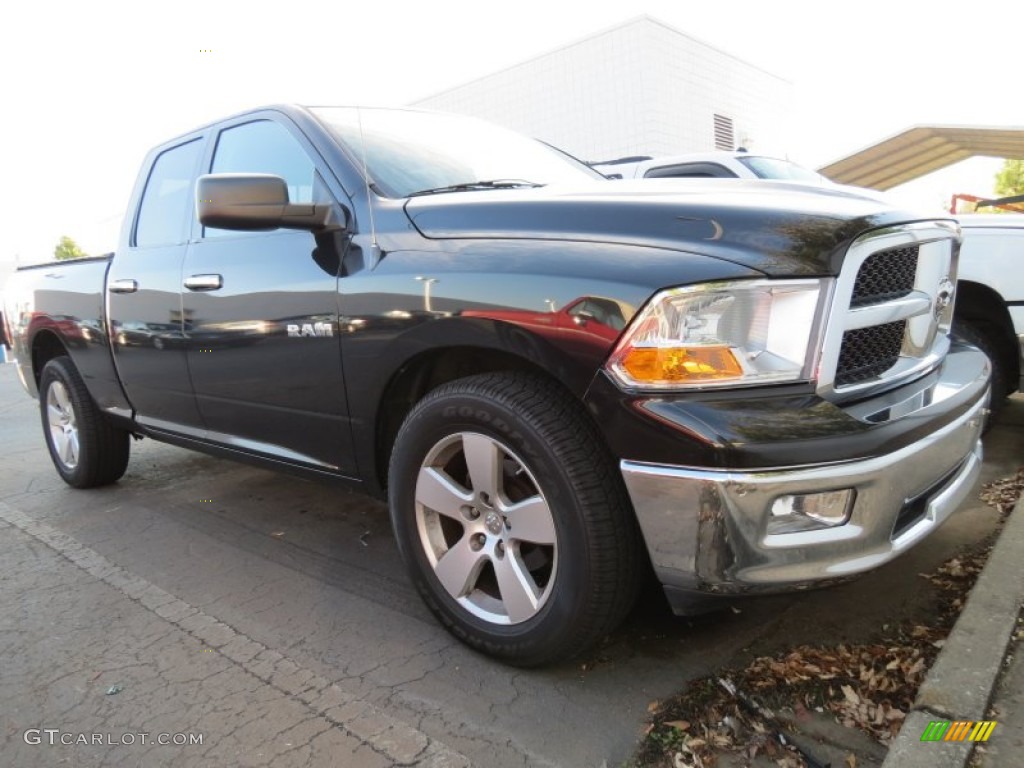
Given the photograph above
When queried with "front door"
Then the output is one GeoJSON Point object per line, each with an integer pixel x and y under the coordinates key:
{"type": "Point", "coordinates": [260, 312]}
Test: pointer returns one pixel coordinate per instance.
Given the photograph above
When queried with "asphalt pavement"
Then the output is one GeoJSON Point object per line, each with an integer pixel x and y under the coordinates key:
{"type": "Point", "coordinates": [271, 617]}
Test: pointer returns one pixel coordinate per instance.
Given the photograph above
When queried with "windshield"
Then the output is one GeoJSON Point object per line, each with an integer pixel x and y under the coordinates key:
{"type": "Point", "coordinates": [408, 151]}
{"type": "Point", "coordinates": [773, 168]}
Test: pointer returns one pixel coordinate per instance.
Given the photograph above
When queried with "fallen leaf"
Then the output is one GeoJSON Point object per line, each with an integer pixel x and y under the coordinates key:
{"type": "Point", "coordinates": [682, 725]}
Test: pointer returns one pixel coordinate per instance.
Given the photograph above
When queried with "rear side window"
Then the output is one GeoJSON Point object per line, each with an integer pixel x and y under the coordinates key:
{"type": "Point", "coordinates": [773, 168]}
{"type": "Point", "coordinates": [691, 170]}
{"type": "Point", "coordinates": [163, 212]}
{"type": "Point", "coordinates": [264, 147]}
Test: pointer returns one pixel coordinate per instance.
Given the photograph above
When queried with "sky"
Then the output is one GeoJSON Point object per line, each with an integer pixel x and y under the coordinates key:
{"type": "Point", "coordinates": [89, 87]}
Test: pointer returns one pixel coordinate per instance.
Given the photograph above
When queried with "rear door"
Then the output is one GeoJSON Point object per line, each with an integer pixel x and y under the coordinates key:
{"type": "Point", "coordinates": [144, 294]}
{"type": "Point", "coordinates": [261, 315]}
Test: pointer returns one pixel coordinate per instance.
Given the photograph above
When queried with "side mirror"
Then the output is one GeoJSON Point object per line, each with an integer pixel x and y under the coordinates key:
{"type": "Point", "coordinates": [256, 202]}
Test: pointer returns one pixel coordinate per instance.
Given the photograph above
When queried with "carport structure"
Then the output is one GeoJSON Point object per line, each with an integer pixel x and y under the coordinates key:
{"type": "Point", "coordinates": [919, 151]}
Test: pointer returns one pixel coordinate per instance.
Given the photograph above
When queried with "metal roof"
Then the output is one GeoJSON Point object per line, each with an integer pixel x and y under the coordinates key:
{"type": "Point", "coordinates": [921, 150]}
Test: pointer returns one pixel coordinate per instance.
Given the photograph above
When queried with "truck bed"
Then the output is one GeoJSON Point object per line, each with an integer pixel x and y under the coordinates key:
{"type": "Point", "coordinates": [66, 300]}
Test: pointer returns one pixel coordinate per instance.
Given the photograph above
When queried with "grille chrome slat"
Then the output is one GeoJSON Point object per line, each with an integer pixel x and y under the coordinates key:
{"type": "Point", "coordinates": [914, 304]}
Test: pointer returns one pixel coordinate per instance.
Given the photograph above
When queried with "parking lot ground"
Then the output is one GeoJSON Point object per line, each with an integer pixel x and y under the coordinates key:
{"type": "Point", "coordinates": [273, 616]}
{"type": "Point", "coordinates": [93, 659]}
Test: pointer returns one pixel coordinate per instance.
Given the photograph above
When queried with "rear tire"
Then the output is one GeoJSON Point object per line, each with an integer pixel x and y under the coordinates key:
{"type": "Point", "coordinates": [86, 449]}
{"type": "Point", "coordinates": [512, 519]}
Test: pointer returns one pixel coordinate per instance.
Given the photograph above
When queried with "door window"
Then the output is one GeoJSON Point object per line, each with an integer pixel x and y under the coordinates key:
{"type": "Point", "coordinates": [603, 311]}
{"type": "Point", "coordinates": [167, 198]}
{"type": "Point", "coordinates": [264, 147]}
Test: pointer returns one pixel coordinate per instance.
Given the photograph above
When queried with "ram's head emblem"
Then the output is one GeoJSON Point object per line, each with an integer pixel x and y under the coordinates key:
{"type": "Point", "coordinates": [944, 295]}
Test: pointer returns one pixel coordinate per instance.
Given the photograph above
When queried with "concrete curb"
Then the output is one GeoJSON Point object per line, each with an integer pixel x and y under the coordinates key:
{"type": "Point", "coordinates": [959, 685]}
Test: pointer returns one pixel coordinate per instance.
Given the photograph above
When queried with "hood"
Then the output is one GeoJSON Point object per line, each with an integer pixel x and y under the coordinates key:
{"type": "Point", "coordinates": [779, 228]}
{"type": "Point", "coordinates": [988, 221]}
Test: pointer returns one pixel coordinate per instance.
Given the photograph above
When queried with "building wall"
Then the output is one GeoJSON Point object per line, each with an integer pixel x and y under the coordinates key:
{"type": "Point", "coordinates": [639, 88]}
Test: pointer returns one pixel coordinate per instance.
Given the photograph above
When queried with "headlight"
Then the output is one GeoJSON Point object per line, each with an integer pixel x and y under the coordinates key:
{"type": "Point", "coordinates": [723, 334]}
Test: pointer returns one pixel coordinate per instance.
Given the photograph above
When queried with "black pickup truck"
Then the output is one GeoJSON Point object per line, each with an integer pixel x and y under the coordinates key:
{"type": "Point", "coordinates": [557, 382]}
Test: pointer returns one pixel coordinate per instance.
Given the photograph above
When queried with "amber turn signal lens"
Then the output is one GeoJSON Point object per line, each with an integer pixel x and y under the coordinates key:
{"type": "Point", "coordinates": [671, 364]}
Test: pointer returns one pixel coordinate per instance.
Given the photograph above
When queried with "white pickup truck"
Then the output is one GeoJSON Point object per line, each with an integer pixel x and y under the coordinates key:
{"type": "Point", "coordinates": [990, 295]}
{"type": "Point", "coordinates": [709, 165]}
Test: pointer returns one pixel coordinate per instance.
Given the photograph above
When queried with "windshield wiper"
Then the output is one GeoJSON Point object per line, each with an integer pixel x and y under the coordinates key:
{"type": "Point", "coordinates": [472, 185]}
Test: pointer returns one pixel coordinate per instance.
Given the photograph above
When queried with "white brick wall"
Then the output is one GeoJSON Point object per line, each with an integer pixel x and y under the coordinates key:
{"type": "Point", "coordinates": [641, 88]}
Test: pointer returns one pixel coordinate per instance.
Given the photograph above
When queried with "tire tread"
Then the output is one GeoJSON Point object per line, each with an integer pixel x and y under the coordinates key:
{"type": "Point", "coordinates": [613, 538]}
{"type": "Point", "coordinates": [103, 448]}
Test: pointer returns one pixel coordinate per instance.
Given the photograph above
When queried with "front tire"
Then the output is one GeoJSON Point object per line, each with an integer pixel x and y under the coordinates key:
{"type": "Point", "coordinates": [983, 336]}
{"type": "Point", "coordinates": [511, 518]}
{"type": "Point", "coordinates": [86, 449]}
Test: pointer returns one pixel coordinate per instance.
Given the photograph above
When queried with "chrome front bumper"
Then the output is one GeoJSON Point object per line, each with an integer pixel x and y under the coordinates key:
{"type": "Point", "coordinates": [707, 530]}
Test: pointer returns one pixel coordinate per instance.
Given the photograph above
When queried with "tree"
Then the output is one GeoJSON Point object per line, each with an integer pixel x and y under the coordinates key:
{"type": "Point", "coordinates": [68, 249]}
{"type": "Point", "coordinates": [1010, 180]}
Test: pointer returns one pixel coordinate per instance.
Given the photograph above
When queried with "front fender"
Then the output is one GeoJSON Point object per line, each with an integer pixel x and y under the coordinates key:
{"type": "Point", "coordinates": [554, 306]}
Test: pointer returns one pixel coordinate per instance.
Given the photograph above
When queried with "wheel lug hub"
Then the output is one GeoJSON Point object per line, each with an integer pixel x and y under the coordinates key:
{"type": "Point", "coordinates": [494, 523]}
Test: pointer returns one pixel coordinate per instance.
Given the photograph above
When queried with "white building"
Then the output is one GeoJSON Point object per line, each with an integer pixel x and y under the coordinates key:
{"type": "Point", "coordinates": [640, 88]}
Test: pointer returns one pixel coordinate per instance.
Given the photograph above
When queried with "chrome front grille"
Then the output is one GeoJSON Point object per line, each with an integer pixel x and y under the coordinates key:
{"type": "Point", "coordinates": [869, 352]}
{"type": "Point", "coordinates": [885, 275]}
{"type": "Point", "coordinates": [891, 310]}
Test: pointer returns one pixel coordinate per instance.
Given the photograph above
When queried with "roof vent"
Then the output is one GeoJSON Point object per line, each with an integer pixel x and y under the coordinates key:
{"type": "Point", "coordinates": [725, 137]}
